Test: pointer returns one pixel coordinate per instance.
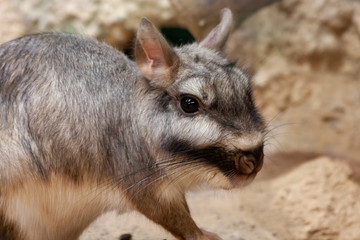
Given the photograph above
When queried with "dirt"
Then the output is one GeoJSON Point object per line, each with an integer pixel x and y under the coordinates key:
{"type": "Point", "coordinates": [312, 199]}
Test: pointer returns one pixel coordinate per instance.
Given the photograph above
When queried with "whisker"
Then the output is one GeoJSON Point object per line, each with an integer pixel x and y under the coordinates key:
{"type": "Point", "coordinates": [184, 174]}
{"type": "Point", "coordinates": [188, 170]}
{"type": "Point", "coordinates": [272, 119]}
{"type": "Point", "coordinates": [170, 172]}
{"type": "Point", "coordinates": [156, 169]}
{"type": "Point", "coordinates": [168, 163]}
{"type": "Point", "coordinates": [270, 130]}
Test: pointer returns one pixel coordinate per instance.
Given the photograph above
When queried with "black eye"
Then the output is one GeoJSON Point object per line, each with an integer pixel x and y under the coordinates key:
{"type": "Point", "coordinates": [189, 105]}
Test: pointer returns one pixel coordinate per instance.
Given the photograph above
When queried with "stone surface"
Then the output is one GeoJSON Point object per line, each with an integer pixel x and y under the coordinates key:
{"type": "Point", "coordinates": [202, 15]}
{"type": "Point", "coordinates": [116, 21]}
{"type": "Point", "coordinates": [113, 21]}
{"type": "Point", "coordinates": [305, 56]}
{"type": "Point", "coordinates": [314, 200]}
{"type": "Point", "coordinates": [331, 199]}
{"type": "Point", "coordinates": [11, 24]}
{"type": "Point", "coordinates": [220, 213]}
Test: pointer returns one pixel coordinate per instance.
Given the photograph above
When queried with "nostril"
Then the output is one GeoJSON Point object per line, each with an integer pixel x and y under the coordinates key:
{"type": "Point", "coordinates": [250, 161]}
{"type": "Point", "coordinates": [245, 164]}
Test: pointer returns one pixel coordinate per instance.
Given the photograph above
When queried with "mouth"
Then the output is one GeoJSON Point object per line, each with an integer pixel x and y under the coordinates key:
{"type": "Point", "coordinates": [240, 168]}
{"type": "Point", "coordinates": [241, 180]}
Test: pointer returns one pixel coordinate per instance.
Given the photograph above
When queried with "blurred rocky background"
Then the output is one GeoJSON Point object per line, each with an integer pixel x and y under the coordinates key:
{"type": "Point", "coordinates": [304, 59]}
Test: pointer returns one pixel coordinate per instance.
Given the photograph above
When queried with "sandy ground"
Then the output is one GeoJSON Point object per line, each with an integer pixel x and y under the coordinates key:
{"type": "Point", "coordinates": [220, 212]}
{"type": "Point", "coordinates": [290, 199]}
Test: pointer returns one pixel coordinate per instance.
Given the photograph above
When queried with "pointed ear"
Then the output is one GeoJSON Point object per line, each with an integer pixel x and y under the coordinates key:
{"type": "Point", "coordinates": [217, 37]}
{"type": "Point", "coordinates": [155, 58]}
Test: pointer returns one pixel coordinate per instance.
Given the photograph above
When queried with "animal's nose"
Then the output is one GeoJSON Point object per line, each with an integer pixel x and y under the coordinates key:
{"type": "Point", "coordinates": [250, 161]}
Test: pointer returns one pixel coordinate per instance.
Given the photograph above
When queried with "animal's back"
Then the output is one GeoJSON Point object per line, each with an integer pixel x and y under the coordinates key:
{"type": "Point", "coordinates": [55, 91]}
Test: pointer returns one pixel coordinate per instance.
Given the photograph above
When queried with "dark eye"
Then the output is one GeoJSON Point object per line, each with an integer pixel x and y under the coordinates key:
{"type": "Point", "coordinates": [189, 105]}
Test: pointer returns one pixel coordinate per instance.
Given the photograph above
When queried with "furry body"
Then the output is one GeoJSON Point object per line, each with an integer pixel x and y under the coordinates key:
{"type": "Point", "coordinates": [82, 132]}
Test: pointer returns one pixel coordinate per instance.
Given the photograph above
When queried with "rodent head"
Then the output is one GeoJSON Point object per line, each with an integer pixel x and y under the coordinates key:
{"type": "Point", "coordinates": [200, 118]}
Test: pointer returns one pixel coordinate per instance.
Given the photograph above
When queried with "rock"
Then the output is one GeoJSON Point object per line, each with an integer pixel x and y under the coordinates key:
{"type": "Point", "coordinates": [305, 56]}
{"type": "Point", "coordinates": [126, 236]}
{"type": "Point", "coordinates": [11, 24]}
{"type": "Point", "coordinates": [114, 21]}
{"type": "Point", "coordinates": [319, 201]}
{"type": "Point", "coordinates": [202, 15]}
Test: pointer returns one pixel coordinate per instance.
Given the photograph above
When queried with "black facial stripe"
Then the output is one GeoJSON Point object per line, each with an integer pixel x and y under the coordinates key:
{"type": "Point", "coordinates": [214, 156]}
{"type": "Point", "coordinates": [176, 146]}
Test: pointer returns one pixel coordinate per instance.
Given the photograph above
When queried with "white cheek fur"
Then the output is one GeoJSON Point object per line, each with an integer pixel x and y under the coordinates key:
{"type": "Point", "coordinates": [199, 130]}
{"type": "Point", "coordinates": [244, 142]}
{"type": "Point", "coordinates": [191, 87]}
{"type": "Point", "coordinates": [196, 87]}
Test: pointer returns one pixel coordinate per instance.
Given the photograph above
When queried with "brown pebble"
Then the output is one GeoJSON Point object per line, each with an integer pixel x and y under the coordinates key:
{"type": "Point", "coordinates": [126, 236]}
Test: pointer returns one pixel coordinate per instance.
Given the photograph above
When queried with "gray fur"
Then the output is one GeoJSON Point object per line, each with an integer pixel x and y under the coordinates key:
{"type": "Point", "coordinates": [76, 107]}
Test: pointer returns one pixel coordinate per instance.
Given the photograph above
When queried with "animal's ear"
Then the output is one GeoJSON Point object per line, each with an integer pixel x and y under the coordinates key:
{"type": "Point", "coordinates": [217, 37]}
{"type": "Point", "coordinates": [155, 58]}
